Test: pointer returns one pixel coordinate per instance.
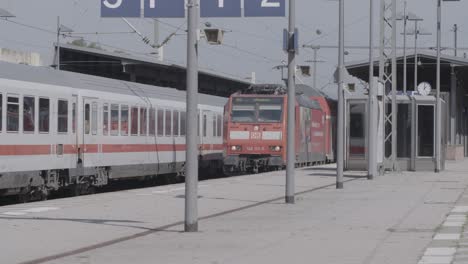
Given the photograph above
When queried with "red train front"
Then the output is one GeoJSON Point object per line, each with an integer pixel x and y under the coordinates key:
{"type": "Point", "coordinates": [255, 130]}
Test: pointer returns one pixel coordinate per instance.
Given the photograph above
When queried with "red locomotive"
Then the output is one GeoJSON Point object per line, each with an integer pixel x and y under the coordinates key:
{"type": "Point", "coordinates": [256, 125]}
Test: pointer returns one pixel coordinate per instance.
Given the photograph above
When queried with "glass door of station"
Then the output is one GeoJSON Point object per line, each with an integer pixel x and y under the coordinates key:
{"type": "Point", "coordinates": [425, 128]}
{"type": "Point", "coordinates": [356, 143]}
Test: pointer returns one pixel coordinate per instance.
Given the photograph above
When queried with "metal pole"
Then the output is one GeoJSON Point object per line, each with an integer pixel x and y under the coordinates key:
{"type": "Point", "coordinates": [57, 62]}
{"type": "Point", "coordinates": [405, 19]}
{"type": "Point", "coordinates": [453, 105]}
{"type": "Point", "coordinates": [455, 31]}
{"type": "Point", "coordinates": [394, 87]}
{"type": "Point", "coordinates": [372, 113]}
{"type": "Point", "coordinates": [315, 67]}
{"type": "Point", "coordinates": [340, 134]}
{"type": "Point", "coordinates": [291, 154]}
{"type": "Point", "coordinates": [416, 33]}
{"type": "Point", "coordinates": [438, 116]}
{"type": "Point", "coordinates": [191, 166]}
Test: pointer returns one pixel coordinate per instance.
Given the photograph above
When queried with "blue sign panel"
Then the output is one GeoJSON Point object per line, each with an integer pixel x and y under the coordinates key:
{"type": "Point", "coordinates": [164, 8]}
{"type": "Point", "coordinates": [264, 8]}
{"type": "Point", "coordinates": [120, 8]}
{"type": "Point", "coordinates": [220, 8]}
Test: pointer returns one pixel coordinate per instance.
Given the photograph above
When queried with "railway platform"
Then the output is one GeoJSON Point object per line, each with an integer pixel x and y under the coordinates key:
{"type": "Point", "coordinates": [410, 217]}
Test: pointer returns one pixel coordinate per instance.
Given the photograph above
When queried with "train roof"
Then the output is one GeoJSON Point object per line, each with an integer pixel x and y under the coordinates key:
{"type": "Point", "coordinates": [46, 75]}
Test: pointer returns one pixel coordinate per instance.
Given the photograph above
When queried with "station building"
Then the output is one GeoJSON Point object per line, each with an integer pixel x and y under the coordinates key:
{"type": "Point", "coordinates": [415, 113]}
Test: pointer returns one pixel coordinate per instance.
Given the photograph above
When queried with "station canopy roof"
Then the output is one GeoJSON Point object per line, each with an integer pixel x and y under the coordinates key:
{"type": "Point", "coordinates": [142, 69]}
{"type": "Point", "coordinates": [427, 65]}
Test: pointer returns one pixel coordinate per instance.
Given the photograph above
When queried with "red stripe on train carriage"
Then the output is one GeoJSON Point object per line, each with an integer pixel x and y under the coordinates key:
{"type": "Point", "coordinates": [32, 150]}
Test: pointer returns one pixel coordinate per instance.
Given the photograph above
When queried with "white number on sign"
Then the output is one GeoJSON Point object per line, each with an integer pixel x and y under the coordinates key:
{"type": "Point", "coordinates": [117, 4]}
{"type": "Point", "coordinates": [152, 4]}
{"type": "Point", "coordinates": [270, 3]}
{"type": "Point", "coordinates": [221, 3]}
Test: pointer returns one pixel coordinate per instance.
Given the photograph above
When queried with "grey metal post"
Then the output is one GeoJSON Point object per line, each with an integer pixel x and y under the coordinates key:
{"type": "Point", "coordinates": [416, 33]}
{"type": "Point", "coordinates": [372, 113]}
{"type": "Point", "coordinates": [455, 42]}
{"type": "Point", "coordinates": [453, 106]}
{"type": "Point", "coordinates": [191, 166]}
{"type": "Point", "coordinates": [291, 154]}
{"type": "Point", "coordinates": [405, 20]}
{"type": "Point", "coordinates": [340, 133]}
{"type": "Point", "coordinates": [438, 128]}
{"type": "Point", "coordinates": [394, 87]}
{"type": "Point", "coordinates": [315, 67]}
{"type": "Point", "coordinates": [57, 57]}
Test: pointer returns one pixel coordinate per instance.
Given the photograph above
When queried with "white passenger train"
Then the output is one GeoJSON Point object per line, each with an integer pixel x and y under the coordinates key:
{"type": "Point", "coordinates": [62, 130]}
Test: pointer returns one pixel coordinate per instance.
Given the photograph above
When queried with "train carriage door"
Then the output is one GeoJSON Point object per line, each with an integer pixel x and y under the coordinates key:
{"type": "Point", "coordinates": [90, 147]}
{"type": "Point", "coordinates": [74, 128]}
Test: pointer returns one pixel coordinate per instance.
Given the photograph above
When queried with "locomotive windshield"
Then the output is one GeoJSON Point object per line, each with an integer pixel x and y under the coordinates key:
{"type": "Point", "coordinates": [257, 109]}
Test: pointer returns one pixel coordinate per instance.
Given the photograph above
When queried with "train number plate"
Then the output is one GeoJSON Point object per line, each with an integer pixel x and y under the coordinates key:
{"type": "Point", "coordinates": [256, 135]}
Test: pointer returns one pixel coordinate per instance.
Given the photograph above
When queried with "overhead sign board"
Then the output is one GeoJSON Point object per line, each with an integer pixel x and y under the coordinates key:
{"type": "Point", "coordinates": [208, 8]}
{"type": "Point", "coordinates": [220, 8]}
{"type": "Point", "coordinates": [164, 8]}
{"type": "Point", "coordinates": [264, 8]}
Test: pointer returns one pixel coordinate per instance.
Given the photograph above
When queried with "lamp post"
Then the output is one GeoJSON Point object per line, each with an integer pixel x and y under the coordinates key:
{"type": "Point", "coordinates": [438, 142]}
{"type": "Point", "coordinates": [340, 127]}
{"type": "Point", "coordinates": [416, 32]}
{"type": "Point", "coordinates": [60, 29]}
{"type": "Point", "coordinates": [372, 114]}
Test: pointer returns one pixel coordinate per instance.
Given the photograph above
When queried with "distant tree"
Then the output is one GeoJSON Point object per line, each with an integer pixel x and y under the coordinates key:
{"type": "Point", "coordinates": [79, 42]}
{"type": "Point", "coordinates": [94, 45]}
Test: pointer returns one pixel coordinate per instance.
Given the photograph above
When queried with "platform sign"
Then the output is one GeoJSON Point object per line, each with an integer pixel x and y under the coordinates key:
{"type": "Point", "coordinates": [164, 8]}
{"type": "Point", "coordinates": [220, 8]}
{"type": "Point", "coordinates": [208, 8]}
{"type": "Point", "coordinates": [264, 8]}
{"type": "Point", "coordinates": [120, 8]}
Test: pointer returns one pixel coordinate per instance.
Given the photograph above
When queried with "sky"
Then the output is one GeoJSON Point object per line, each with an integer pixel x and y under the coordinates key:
{"type": "Point", "coordinates": [250, 44]}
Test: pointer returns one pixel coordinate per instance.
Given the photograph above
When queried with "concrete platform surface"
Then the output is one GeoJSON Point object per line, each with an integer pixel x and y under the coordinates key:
{"type": "Point", "coordinates": [391, 219]}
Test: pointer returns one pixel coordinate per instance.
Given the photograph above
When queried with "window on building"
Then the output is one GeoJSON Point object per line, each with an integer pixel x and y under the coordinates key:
{"type": "Point", "coordinates": [220, 126]}
{"type": "Point", "coordinates": [114, 126]}
{"type": "Point", "coordinates": [160, 122]}
{"type": "Point", "coordinates": [105, 120]}
{"type": "Point", "coordinates": [74, 118]}
{"type": "Point", "coordinates": [205, 123]}
{"type": "Point", "coordinates": [44, 113]}
{"type": "Point", "coordinates": [87, 119]}
{"type": "Point", "coordinates": [134, 121]}
{"type": "Point", "coordinates": [214, 126]}
{"type": "Point", "coordinates": [1, 112]}
{"type": "Point", "coordinates": [175, 122]}
{"type": "Point", "coordinates": [13, 114]}
{"type": "Point", "coordinates": [124, 120]}
{"type": "Point", "coordinates": [143, 122]}
{"type": "Point", "coordinates": [29, 110]}
{"type": "Point", "coordinates": [198, 124]}
{"type": "Point", "coordinates": [152, 122]}
{"type": "Point", "coordinates": [62, 116]}
{"type": "Point", "coordinates": [168, 122]}
{"type": "Point", "coordinates": [183, 118]}
{"type": "Point", "coordinates": [94, 120]}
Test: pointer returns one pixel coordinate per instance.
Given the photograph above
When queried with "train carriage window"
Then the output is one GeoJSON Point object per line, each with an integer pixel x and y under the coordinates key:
{"type": "Point", "coordinates": [62, 116]}
{"type": "Point", "coordinates": [87, 116]}
{"type": "Point", "coordinates": [105, 120]}
{"type": "Point", "coordinates": [1, 112]}
{"type": "Point", "coordinates": [152, 122]}
{"type": "Point", "coordinates": [175, 123]}
{"type": "Point", "coordinates": [168, 122]}
{"type": "Point", "coordinates": [214, 126]}
{"type": "Point", "coordinates": [114, 127]}
{"type": "Point", "coordinates": [13, 114]}
{"type": "Point", "coordinates": [74, 118]}
{"type": "Point", "coordinates": [94, 120]}
{"type": "Point", "coordinates": [29, 110]}
{"type": "Point", "coordinates": [220, 126]}
{"type": "Point", "coordinates": [183, 120]}
{"type": "Point", "coordinates": [124, 120]}
{"type": "Point", "coordinates": [143, 122]}
{"type": "Point", "coordinates": [134, 121]}
{"type": "Point", "coordinates": [205, 123]}
{"type": "Point", "coordinates": [160, 122]}
{"type": "Point", "coordinates": [44, 113]}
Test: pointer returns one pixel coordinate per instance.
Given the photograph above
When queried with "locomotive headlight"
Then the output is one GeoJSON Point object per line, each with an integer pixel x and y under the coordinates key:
{"type": "Point", "coordinates": [236, 148]}
{"type": "Point", "coordinates": [275, 148]}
